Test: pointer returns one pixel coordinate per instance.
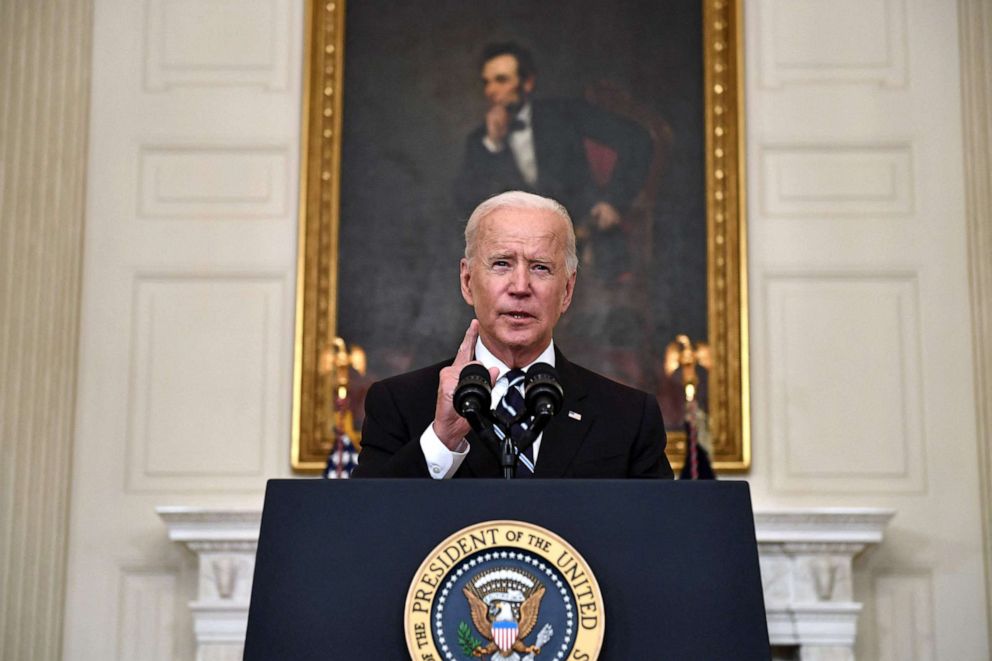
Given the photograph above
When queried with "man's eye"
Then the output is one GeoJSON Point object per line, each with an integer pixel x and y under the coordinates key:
{"type": "Point", "coordinates": [542, 267]}
{"type": "Point", "coordinates": [500, 264]}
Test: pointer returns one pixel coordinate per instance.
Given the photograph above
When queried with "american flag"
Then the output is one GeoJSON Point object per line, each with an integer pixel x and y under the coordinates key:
{"type": "Point", "coordinates": [342, 459]}
{"type": "Point", "coordinates": [697, 461]}
{"type": "Point", "coordinates": [504, 634]}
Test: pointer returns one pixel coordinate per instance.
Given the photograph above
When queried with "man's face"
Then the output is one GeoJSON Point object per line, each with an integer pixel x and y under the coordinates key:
{"type": "Point", "coordinates": [502, 84]}
{"type": "Point", "coordinates": [517, 281]}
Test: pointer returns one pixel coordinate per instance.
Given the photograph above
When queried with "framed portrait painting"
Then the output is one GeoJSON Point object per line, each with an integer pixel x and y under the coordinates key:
{"type": "Point", "coordinates": [633, 114]}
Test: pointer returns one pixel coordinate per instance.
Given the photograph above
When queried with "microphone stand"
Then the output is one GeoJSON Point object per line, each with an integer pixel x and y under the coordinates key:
{"type": "Point", "coordinates": [508, 454]}
{"type": "Point", "coordinates": [483, 424]}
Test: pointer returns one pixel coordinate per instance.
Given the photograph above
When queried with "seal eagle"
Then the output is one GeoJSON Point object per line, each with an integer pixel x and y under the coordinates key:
{"type": "Point", "coordinates": [504, 626]}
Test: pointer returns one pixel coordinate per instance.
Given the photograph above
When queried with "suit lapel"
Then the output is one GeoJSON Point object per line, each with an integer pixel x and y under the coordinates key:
{"type": "Point", "coordinates": [567, 431]}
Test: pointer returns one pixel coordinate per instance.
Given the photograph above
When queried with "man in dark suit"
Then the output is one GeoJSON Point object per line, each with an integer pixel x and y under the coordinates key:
{"type": "Point", "coordinates": [519, 273]}
{"type": "Point", "coordinates": [539, 145]}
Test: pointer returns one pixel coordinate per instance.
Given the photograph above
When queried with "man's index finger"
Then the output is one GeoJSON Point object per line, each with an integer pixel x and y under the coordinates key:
{"type": "Point", "coordinates": [466, 350]}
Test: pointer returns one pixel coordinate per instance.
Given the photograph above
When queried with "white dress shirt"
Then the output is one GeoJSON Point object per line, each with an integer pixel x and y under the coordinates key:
{"type": "Point", "coordinates": [442, 463]}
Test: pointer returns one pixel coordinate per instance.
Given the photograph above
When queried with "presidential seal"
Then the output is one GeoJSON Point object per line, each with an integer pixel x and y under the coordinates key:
{"type": "Point", "coordinates": [504, 591]}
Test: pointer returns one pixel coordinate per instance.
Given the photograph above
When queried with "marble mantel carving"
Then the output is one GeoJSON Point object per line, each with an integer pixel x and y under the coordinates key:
{"type": "Point", "coordinates": [806, 558]}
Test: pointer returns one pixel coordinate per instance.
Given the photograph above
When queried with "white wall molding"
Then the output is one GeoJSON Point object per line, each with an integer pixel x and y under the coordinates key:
{"type": "Point", "coordinates": [810, 42]}
{"type": "Point", "coordinates": [835, 180]}
{"type": "Point", "coordinates": [147, 608]}
{"type": "Point", "coordinates": [182, 49]}
{"type": "Point", "coordinates": [904, 617]}
{"type": "Point", "coordinates": [848, 342]}
{"type": "Point", "coordinates": [214, 334]}
{"type": "Point", "coordinates": [205, 181]}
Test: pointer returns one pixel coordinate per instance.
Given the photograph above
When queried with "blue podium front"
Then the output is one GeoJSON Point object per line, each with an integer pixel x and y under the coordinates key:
{"type": "Point", "coordinates": [529, 569]}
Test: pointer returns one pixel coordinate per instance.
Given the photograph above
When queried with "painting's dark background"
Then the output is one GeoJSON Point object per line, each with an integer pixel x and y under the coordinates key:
{"type": "Point", "coordinates": [411, 95]}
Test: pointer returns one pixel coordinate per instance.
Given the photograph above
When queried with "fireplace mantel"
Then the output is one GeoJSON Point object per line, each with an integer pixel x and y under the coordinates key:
{"type": "Point", "coordinates": [806, 558]}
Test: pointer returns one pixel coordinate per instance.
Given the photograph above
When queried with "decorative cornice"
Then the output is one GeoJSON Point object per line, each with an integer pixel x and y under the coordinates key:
{"type": "Point", "coordinates": [821, 609]}
{"type": "Point", "coordinates": [210, 525]}
{"type": "Point", "coordinates": [811, 548]}
{"type": "Point", "coordinates": [226, 546]}
{"type": "Point", "coordinates": [822, 525]}
{"type": "Point", "coordinates": [852, 526]}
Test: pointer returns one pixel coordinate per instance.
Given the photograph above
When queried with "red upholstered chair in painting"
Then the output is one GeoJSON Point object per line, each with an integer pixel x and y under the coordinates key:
{"type": "Point", "coordinates": [631, 290]}
{"type": "Point", "coordinates": [602, 159]}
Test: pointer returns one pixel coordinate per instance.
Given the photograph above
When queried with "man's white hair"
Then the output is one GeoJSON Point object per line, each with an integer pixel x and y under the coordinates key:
{"type": "Point", "coordinates": [520, 200]}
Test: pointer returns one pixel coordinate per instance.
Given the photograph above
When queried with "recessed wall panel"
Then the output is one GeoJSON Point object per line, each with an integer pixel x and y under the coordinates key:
{"type": "Point", "coordinates": [147, 615]}
{"type": "Point", "coordinates": [205, 374]}
{"type": "Point", "coordinates": [216, 43]}
{"type": "Point", "coordinates": [904, 617]}
{"type": "Point", "coordinates": [822, 180]}
{"type": "Point", "coordinates": [213, 182]}
{"type": "Point", "coordinates": [845, 379]}
{"type": "Point", "coordinates": [817, 41]}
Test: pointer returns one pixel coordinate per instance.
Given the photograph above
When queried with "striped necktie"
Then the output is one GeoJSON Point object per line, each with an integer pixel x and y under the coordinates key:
{"type": "Point", "coordinates": [506, 411]}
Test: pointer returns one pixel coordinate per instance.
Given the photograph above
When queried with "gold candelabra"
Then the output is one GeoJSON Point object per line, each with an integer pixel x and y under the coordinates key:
{"type": "Point", "coordinates": [337, 358]}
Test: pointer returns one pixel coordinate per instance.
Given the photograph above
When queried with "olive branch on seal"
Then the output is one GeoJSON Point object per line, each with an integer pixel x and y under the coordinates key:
{"type": "Point", "coordinates": [466, 640]}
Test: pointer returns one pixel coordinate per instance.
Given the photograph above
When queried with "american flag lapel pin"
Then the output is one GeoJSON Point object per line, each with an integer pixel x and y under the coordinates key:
{"type": "Point", "coordinates": [574, 416]}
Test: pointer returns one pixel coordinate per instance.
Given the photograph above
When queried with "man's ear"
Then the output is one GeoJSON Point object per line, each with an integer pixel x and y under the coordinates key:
{"type": "Point", "coordinates": [528, 85]}
{"type": "Point", "coordinates": [464, 275]}
{"type": "Point", "coordinates": [569, 289]}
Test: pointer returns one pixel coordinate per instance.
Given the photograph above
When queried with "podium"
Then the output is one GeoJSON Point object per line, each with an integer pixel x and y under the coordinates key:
{"type": "Point", "coordinates": [676, 562]}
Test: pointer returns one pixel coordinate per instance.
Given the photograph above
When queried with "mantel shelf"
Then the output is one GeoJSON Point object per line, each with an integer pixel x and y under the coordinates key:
{"type": "Point", "coordinates": [806, 558]}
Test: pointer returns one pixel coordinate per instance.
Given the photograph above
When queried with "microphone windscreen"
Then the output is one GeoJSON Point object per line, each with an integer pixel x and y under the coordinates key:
{"type": "Point", "coordinates": [474, 371]}
{"type": "Point", "coordinates": [539, 371]}
{"type": "Point", "coordinates": [542, 389]}
{"type": "Point", "coordinates": [474, 391]}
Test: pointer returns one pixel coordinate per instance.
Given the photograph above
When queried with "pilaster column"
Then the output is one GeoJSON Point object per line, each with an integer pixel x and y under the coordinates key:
{"type": "Point", "coordinates": [44, 99]}
{"type": "Point", "coordinates": [975, 21]}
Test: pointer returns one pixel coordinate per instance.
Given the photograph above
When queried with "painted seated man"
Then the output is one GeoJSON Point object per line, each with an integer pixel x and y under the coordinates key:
{"type": "Point", "coordinates": [539, 145]}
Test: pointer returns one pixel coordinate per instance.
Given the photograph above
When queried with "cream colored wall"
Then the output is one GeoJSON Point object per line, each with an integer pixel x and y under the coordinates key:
{"type": "Point", "coordinates": [862, 378]}
{"type": "Point", "coordinates": [863, 389]}
{"type": "Point", "coordinates": [184, 390]}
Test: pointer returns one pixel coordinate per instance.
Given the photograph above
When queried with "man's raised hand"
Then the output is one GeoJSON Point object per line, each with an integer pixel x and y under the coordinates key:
{"type": "Point", "coordinates": [450, 427]}
{"type": "Point", "coordinates": [497, 125]}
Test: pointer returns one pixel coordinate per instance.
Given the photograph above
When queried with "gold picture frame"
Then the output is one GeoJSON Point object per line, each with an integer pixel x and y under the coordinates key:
{"type": "Point", "coordinates": [316, 379]}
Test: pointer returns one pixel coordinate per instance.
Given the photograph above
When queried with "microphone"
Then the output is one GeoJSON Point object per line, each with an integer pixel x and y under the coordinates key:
{"type": "Point", "coordinates": [473, 394]}
{"type": "Point", "coordinates": [543, 397]}
{"type": "Point", "coordinates": [472, 399]}
{"type": "Point", "coordinates": [543, 394]}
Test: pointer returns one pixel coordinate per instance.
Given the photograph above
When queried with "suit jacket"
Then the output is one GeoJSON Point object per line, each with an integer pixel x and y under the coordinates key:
{"type": "Point", "coordinates": [560, 126]}
{"type": "Point", "coordinates": [604, 430]}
